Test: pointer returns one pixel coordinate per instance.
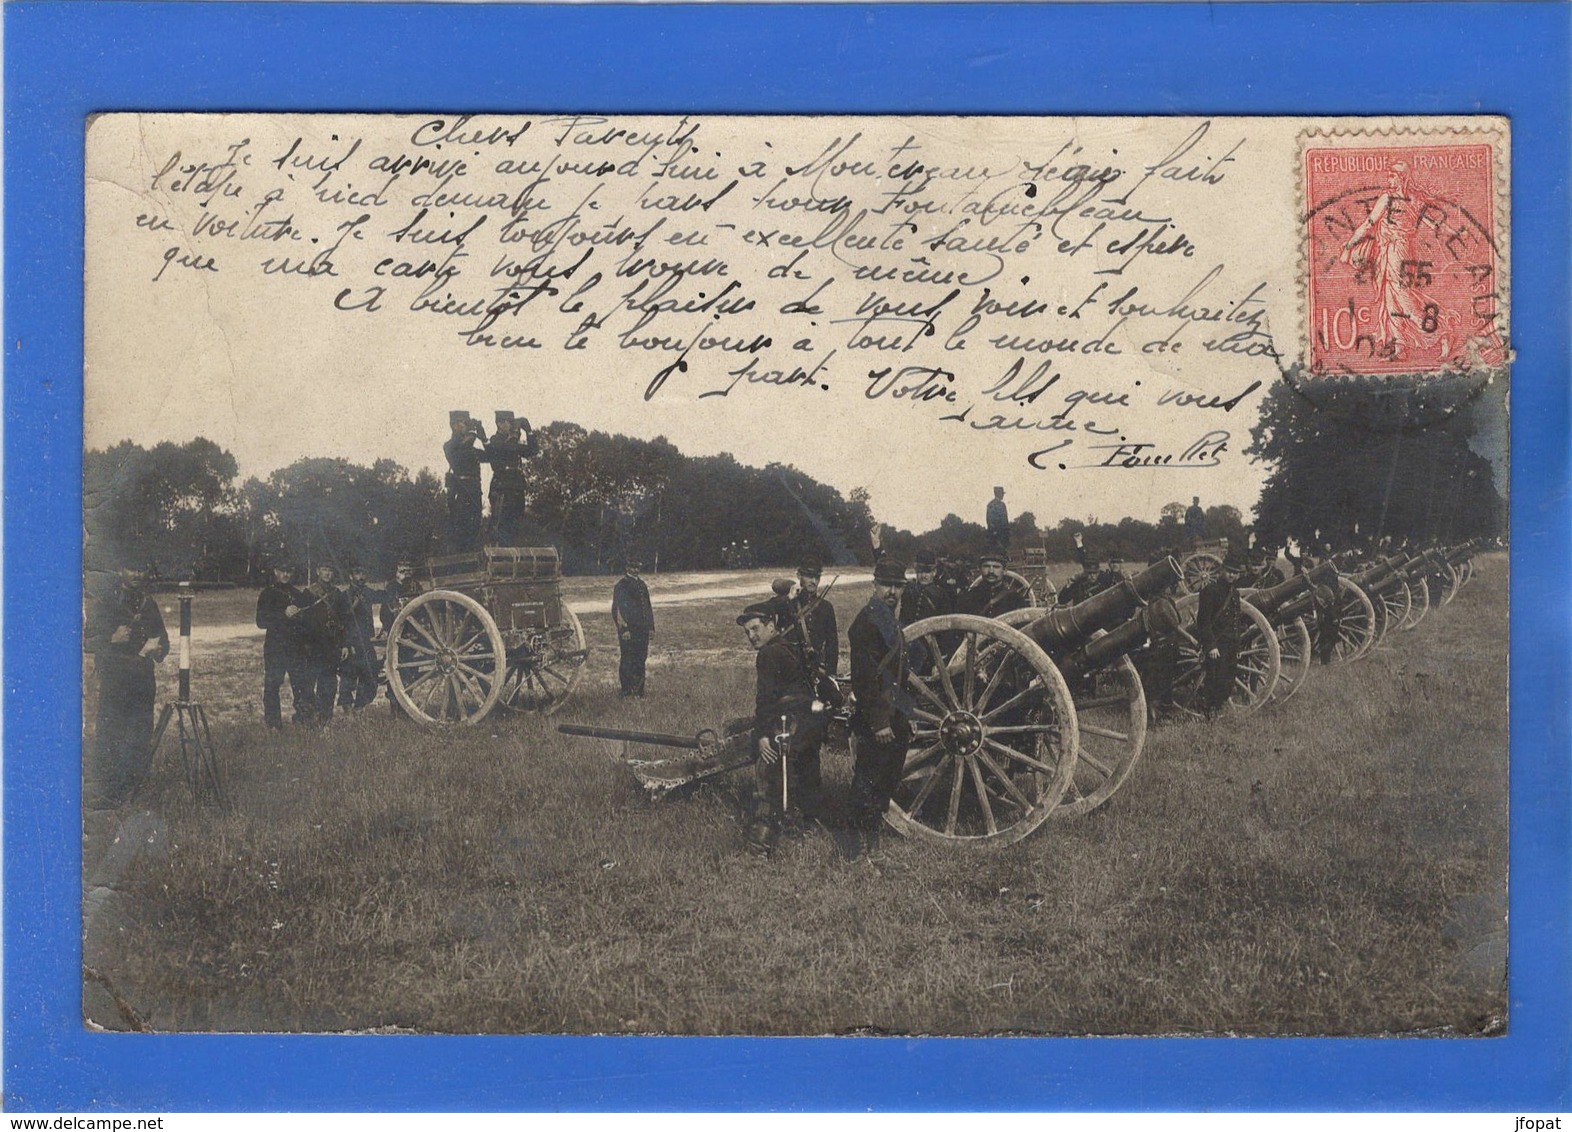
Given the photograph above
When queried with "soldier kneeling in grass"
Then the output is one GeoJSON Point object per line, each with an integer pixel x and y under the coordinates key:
{"type": "Point", "coordinates": [784, 723]}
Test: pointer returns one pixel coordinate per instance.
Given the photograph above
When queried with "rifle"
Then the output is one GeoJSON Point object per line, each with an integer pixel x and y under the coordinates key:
{"type": "Point", "coordinates": [824, 685]}
{"type": "Point", "coordinates": [716, 754]}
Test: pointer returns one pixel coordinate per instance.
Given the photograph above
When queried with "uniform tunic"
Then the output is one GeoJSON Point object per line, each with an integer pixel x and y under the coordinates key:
{"type": "Point", "coordinates": [324, 620]}
{"type": "Point", "coordinates": [634, 618]}
{"type": "Point", "coordinates": [878, 676]}
{"type": "Point", "coordinates": [818, 615]}
{"type": "Point", "coordinates": [358, 670]}
{"type": "Point", "coordinates": [122, 751]}
{"type": "Point", "coordinates": [1217, 626]}
{"type": "Point", "coordinates": [993, 599]}
{"type": "Point", "coordinates": [463, 491]}
{"type": "Point", "coordinates": [283, 654]}
{"type": "Point", "coordinates": [998, 524]}
{"type": "Point", "coordinates": [782, 687]}
{"type": "Point", "coordinates": [507, 457]}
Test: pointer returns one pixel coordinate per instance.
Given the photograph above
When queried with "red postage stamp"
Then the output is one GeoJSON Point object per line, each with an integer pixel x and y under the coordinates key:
{"type": "Point", "coordinates": [1403, 261]}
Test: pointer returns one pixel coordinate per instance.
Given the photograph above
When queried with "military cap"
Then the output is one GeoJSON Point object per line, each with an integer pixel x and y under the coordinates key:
{"type": "Point", "coordinates": [504, 416]}
{"type": "Point", "coordinates": [889, 572]}
{"type": "Point", "coordinates": [758, 610]}
{"type": "Point", "coordinates": [992, 556]}
{"type": "Point", "coordinates": [926, 558]}
{"type": "Point", "coordinates": [457, 416]}
{"type": "Point", "coordinates": [811, 566]}
{"type": "Point", "coordinates": [633, 559]}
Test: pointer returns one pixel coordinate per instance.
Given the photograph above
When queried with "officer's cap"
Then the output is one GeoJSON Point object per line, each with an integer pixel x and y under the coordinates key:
{"type": "Point", "coordinates": [926, 558]}
{"type": "Point", "coordinates": [889, 572]}
{"type": "Point", "coordinates": [811, 567]}
{"type": "Point", "coordinates": [504, 416]}
{"type": "Point", "coordinates": [457, 416]}
{"type": "Point", "coordinates": [990, 556]}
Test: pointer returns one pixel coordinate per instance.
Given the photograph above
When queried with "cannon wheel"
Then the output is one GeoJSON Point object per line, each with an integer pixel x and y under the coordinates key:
{"type": "Point", "coordinates": [446, 663]}
{"type": "Point", "coordinates": [1293, 642]}
{"type": "Point", "coordinates": [1037, 594]}
{"type": "Point", "coordinates": [1357, 625]}
{"type": "Point", "coordinates": [994, 742]}
{"type": "Point", "coordinates": [1453, 583]}
{"type": "Point", "coordinates": [1467, 572]}
{"type": "Point", "coordinates": [1392, 608]}
{"type": "Point", "coordinates": [1198, 568]}
{"type": "Point", "coordinates": [1110, 714]}
{"type": "Point", "coordinates": [1419, 590]}
{"type": "Point", "coordinates": [1260, 661]}
{"type": "Point", "coordinates": [541, 681]}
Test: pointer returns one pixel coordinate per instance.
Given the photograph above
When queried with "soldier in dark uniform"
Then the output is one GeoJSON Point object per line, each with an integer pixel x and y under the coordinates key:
{"type": "Point", "coordinates": [1195, 521]}
{"type": "Point", "coordinates": [512, 444]}
{"type": "Point", "coordinates": [1084, 584]}
{"type": "Point", "coordinates": [125, 633]}
{"type": "Point", "coordinates": [1217, 629]}
{"type": "Point", "coordinates": [395, 595]}
{"type": "Point", "coordinates": [324, 619]}
{"type": "Point", "coordinates": [993, 594]}
{"type": "Point", "coordinates": [880, 722]}
{"type": "Point", "coordinates": [784, 723]}
{"type": "Point", "coordinates": [278, 613]}
{"type": "Point", "coordinates": [358, 672]}
{"type": "Point", "coordinates": [634, 618]}
{"type": "Point", "coordinates": [463, 481]}
{"type": "Point", "coordinates": [1112, 576]}
{"type": "Point", "coordinates": [998, 517]}
{"type": "Point", "coordinates": [814, 633]}
{"type": "Point", "coordinates": [1326, 604]}
{"type": "Point", "coordinates": [924, 597]}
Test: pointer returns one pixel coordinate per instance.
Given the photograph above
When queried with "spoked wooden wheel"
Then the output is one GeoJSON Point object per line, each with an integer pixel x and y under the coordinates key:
{"type": "Point", "coordinates": [1452, 582]}
{"type": "Point", "coordinates": [1110, 715]}
{"type": "Point", "coordinates": [1356, 622]}
{"type": "Point", "coordinates": [1198, 568]}
{"type": "Point", "coordinates": [1255, 671]}
{"type": "Point", "coordinates": [445, 662]}
{"type": "Point", "coordinates": [1392, 606]}
{"type": "Point", "coordinates": [544, 670]}
{"type": "Point", "coordinates": [994, 742]}
{"type": "Point", "coordinates": [1293, 642]}
{"type": "Point", "coordinates": [1466, 573]}
{"type": "Point", "coordinates": [1419, 604]}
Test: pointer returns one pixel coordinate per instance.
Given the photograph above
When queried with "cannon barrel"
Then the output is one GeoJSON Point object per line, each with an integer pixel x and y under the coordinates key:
{"type": "Point", "coordinates": [1064, 630]}
{"type": "Point", "coordinates": [1281, 604]}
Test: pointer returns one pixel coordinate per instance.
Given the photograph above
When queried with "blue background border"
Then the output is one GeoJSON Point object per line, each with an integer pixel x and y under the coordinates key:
{"type": "Point", "coordinates": [65, 60]}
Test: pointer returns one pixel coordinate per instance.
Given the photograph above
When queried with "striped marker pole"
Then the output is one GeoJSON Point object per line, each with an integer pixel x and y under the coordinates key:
{"type": "Point", "coordinates": [185, 642]}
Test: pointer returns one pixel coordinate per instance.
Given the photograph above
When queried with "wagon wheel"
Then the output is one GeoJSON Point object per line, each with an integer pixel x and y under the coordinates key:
{"type": "Point", "coordinates": [445, 660]}
{"type": "Point", "coordinates": [994, 742]}
{"type": "Point", "coordinates": [543, 672]}
{"type": "Point", "coordinates": [1356, 622]}
{"type": "Point", "coordinates": [1419, 605]}
{"type": "Point", "coordinates": [1110, 714]}
{"type": "Point", "coordinates": [1034, 594]}
{"type": "Point", "coordinates": [1255, 677]}
{"type": "Point", "coordinates": [1198, 568]}
{"type": "Point", "coordinates": [1467, 572]}
{"type": "Point", "coordinates": [1293, 642]}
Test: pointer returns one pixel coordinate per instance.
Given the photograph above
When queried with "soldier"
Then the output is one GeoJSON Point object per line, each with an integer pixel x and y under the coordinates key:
{"type": "Point", "coordinates": [278, 613]}
{"type": "Point", "coordinates": [998, 517]}
{"type": "Point", "coordinates": [880, 722]}
{"type": "Point", "coordinates": [993, 594]}
{"type": "Point", "coordinates": [324, 619]}
{"type": "Point", "coordinates": [463, 480]}
{"type": "Point", "coordinates": [125, 633]}
{"type": "Point", "coordinates": [358, 671]}
{"type": "Point", "coordinates": [1113, 575]}
{"type": "Point", "coordinates": [1326, 606]}
{"type": "Point", "coordinates": [1084, 584]}
{"type": "Point", "coordinates": [395, 595]}
{"type": "Point", "coordinates": [634, 618]}
{"type": "Point", "coordinates": [512, 444]}
{"type": "Point", "coordinates": [783, 725]}
{"type": "Point", "coordinates": [1217, 625]}
{"type": "Point", "coordinates": [822, 645]}
{"type": "Point", "coordinates": [923, 597]}
{"type": "Point", "coordinates": [1195, 522]}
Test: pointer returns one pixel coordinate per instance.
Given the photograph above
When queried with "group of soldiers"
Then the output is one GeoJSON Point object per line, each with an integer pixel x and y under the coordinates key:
{"type": "Point", "coordinates": [322, 638]}
{"type": "Point", "coordinates": [505, 451]}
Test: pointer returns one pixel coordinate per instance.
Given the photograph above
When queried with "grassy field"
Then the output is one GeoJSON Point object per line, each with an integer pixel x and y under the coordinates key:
{"type": "Point", "coordinates": [1334, 865]}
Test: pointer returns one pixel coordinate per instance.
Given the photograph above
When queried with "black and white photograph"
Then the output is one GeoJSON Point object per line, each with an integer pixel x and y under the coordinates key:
{"type": "Point", "coordinates": [796, 575]}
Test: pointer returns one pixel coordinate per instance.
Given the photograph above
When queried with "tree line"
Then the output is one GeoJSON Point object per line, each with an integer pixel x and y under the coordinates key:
{"type": "Point", "coordinates": [1405, 458]}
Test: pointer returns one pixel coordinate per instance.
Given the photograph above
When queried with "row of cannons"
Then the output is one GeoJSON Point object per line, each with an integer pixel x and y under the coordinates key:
{"type": "Point", "coordinates": [1041, 713]}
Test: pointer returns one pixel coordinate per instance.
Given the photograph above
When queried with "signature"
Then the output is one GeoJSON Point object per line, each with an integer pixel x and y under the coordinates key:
{"type": "Point", "coordinates": [1204, 453]}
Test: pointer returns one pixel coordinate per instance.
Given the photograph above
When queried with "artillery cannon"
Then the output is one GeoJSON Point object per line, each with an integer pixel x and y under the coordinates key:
{"type": "Point", "coordinates": [492, 631]}
{"type": "Point", "coordinates": [1285, 607]}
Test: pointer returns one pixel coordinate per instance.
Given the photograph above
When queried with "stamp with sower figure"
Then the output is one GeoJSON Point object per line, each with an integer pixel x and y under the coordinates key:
{"type": "Point", "coordinates": [1405, 254]}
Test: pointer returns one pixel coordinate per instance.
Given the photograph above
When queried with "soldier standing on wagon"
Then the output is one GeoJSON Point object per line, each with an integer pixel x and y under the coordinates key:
{"type": "Point", "coordinates": [463, 480]}
{"type": "Point", "coordinates": [358, 671]}
{"type": "Point", "coordinates": [1195, 522]}
{"type": "Point", "coordinates": [998, 517]}
{"type": "Point", "coordinates": [878, 675]}
{"type": "Point", "coordinates": [512, 444]}
{"type": "Point", "coordinates": [283, 649]}
{"type": "Point", "coordinates": [634, 617]}
{"type": "Point", "coordinates": [126, 635]}
{"type": "Point", "coordinates": [324, 619]}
